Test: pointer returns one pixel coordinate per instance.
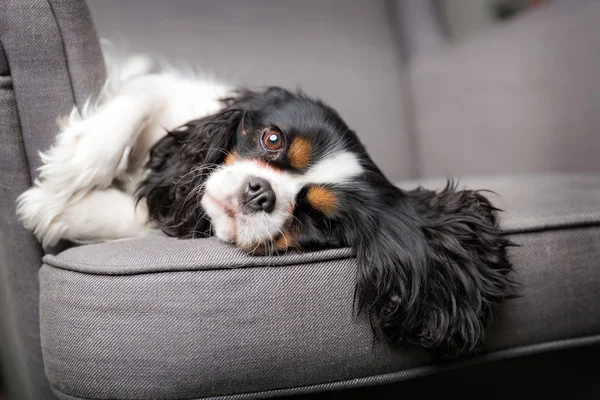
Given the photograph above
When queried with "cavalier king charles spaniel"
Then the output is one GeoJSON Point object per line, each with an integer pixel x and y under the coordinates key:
{"type": "Point", "coordinates": [272, 170]}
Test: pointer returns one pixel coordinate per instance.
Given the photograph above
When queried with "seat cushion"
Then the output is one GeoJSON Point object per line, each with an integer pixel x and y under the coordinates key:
{"type": "Point", "coordinates": [166, 318]}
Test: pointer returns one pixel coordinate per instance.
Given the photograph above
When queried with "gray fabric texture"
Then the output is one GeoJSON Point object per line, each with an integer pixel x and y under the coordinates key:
{"type": "Point", "coordinates": [168, 318]}
{"type": "Point", "coordinates": [20, 258]}
{"type": "Point", "coordinates": [49, 60]}
{"type": "Point", "coordinates": [394, 377]}
{"type": "Point", "coordinates": [534, 201]}
{"type": "Point", "coordinates": [53, 54]}
{"type": "Point", "coordinates": [521, 97]}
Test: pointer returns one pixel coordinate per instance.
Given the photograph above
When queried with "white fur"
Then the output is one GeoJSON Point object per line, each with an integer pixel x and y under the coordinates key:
{"type": "Point", "coordinates": [335, 168]}
{"type": "Point", "coordinates": [223, 188]}
{"type": "Point", "coordinates": [72, 198]}
{"type": "Point", "coordinates": [225, 184]}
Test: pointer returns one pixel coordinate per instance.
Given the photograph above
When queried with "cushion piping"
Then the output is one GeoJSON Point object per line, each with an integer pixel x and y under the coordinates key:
{"type": "Point", "coordinates": [552, 227]}
{"type": "Point", "coordinates": [219, 264]}
{"type": "Point", "coordinates": [241, 261]}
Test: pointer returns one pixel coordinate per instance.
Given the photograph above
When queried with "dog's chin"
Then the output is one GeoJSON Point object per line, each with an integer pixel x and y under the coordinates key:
{"type": "Point", "coordinates": [258, 233]}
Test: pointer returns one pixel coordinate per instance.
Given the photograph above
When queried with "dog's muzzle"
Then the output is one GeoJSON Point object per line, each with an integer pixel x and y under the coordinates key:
{"type": "Point", "coordinates": [249, 203]}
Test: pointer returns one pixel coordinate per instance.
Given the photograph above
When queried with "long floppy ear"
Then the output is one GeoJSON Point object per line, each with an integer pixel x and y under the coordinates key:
{"type": "Point", "coordinates": [181, 162]}
{"type": "Point", "coordinates": [434, 270]}
{"type": "Point", "coordinates": [178, 166]}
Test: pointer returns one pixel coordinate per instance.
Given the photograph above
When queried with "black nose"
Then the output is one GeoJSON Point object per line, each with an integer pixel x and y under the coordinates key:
{"type": "Point", "coordinates": [258, 195]}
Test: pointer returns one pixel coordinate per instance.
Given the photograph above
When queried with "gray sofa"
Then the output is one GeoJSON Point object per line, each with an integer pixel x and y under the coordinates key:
{"type": "Point", "coordinates": [160, 318]}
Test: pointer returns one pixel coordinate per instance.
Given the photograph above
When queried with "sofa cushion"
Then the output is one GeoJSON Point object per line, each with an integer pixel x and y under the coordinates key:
{"type": "Point", "coordinates": [167, 318]}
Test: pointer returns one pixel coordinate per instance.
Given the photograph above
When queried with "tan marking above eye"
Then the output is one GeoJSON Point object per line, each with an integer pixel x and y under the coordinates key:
{"type": "Point", "coordinates": [322, 199]}
{"type": "Point", "coordinates": [231, 158]}
{"type": "Point", "coordinates": [300, 153]}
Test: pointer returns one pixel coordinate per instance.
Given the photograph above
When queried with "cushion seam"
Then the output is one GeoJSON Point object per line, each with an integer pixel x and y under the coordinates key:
{"type": "Point", "coordinates": [232, 265]}
{"type": "Point", "coordinates": [552, 227]}
{"type": "Point", "coordinates": [55, 262]}
{"type": "Point", "coordinates": [18, 112]}
{"type": "Point", "coordinates": [64, 49]}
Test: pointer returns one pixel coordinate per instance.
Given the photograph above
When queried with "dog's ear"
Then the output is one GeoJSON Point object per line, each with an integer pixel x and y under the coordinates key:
{"type": "Point", "coordinates": [182, 160]}
{"type": "Point", "coordinates": [178, 166]}
{"type": "Point", "coordinates": [433, 270]}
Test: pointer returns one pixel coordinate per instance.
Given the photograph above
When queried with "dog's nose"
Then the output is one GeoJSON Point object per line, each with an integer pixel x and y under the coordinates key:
{"type": "Point", "coordinates": [258, 195]}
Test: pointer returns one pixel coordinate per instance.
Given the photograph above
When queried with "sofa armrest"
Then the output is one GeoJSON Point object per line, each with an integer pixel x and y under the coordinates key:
{"type": "Point", "coordinates": [50, 60]}
{"type": "Point", "coordinates": [55, 62]}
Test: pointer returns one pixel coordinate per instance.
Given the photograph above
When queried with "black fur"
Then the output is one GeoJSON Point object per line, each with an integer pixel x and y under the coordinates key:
{"type": "Point", "coordinates": [434, 270]}
{"type": "Point", "coordinates": [179, 164]}
{"type": "Point", "coordinates": [432, 266]}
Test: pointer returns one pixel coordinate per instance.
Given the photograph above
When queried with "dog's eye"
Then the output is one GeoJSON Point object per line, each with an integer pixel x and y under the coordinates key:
{"type": "Point", "coordinates": [272, 140]}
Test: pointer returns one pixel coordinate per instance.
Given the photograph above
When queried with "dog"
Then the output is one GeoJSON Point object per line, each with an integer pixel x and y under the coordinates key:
{"type": "Point", "coordinates": [272, 170]}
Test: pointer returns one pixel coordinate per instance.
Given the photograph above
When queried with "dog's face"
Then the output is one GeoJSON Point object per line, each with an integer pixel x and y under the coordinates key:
{"type": "Point", "coordinates": [276, 170]}
{"type": "Point", "coordinates": [277, 182]}
{"type": "Point", "coordinates": [273, 170]}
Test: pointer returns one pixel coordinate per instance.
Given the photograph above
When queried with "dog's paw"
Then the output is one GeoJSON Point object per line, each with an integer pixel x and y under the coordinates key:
{"type": "Point", "coordinates": [38, 209]}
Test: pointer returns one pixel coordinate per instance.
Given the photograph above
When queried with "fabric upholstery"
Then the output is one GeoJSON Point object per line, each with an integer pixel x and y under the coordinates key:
{"type": "Point", "coordinates": [20, 258]}
{"type": "Point", "coordinates": [534, 202]}
{"type": "Point", "coordinates": [167, 318]}
{"type": "Point", "coordinates": [49, 62]}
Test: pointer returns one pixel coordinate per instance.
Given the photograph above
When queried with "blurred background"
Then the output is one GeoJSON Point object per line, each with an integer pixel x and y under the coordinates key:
{"type": "Point", "coordinates": [432, 87]}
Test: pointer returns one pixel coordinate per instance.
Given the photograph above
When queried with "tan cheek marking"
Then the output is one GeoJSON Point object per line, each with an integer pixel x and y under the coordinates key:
{"type": "Point", "coordinates": [231, 158]}
{"type": "Point", "coordinates": [300, 152]}
{"type": "Point", "coordinates": [285, 241]}
{"type": "Point", "coordinates": [322, 199]}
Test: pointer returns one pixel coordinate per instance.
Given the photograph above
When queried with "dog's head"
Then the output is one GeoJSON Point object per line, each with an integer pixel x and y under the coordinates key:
{"type": "Point", "coordinates": [277, 170]}
{"type": "Point", "coordinates": [263, 173]}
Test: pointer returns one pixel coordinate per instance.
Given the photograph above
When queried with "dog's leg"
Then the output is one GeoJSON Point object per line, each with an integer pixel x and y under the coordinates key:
{"type": "Point", "coordinates": [101, 215]}
{"type": "Point", "coordinates": [89, 153]}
